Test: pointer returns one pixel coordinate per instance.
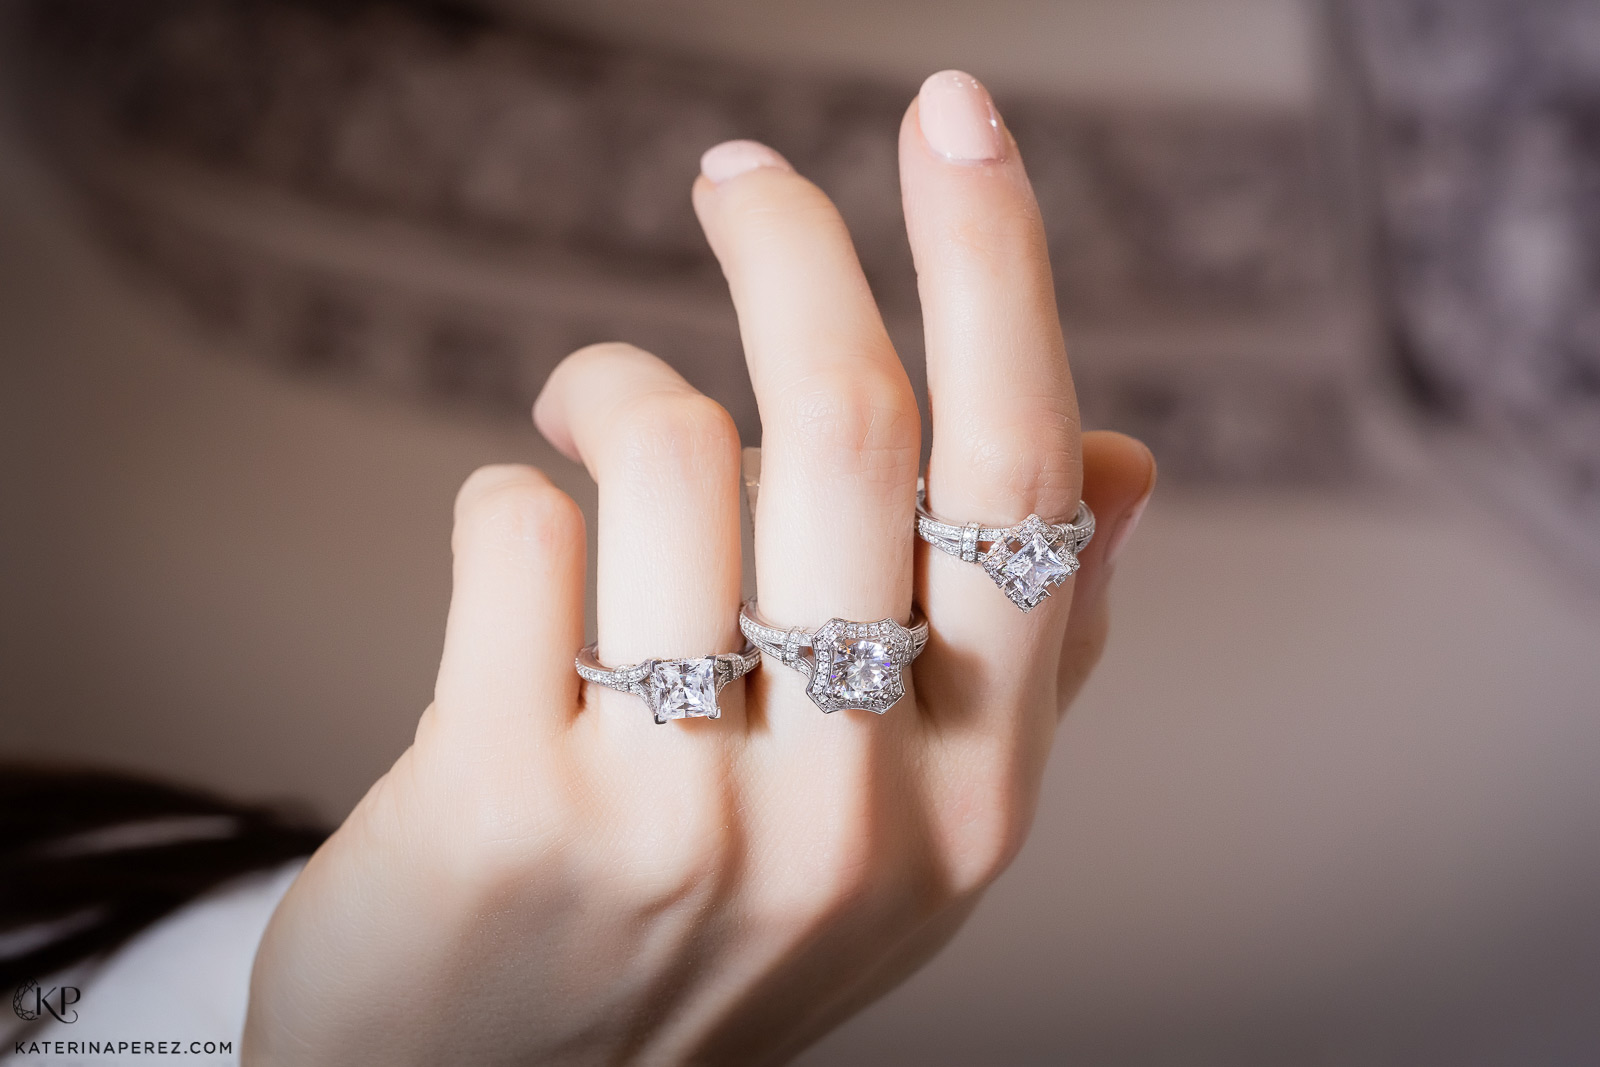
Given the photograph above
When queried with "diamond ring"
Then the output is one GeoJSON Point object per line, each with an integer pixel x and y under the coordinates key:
{"type": "Point", "coordinates": [672, 688]}
{"type": "Point", "coordinates": [1026, 560]}
{"type": "Point", "coordinates": [852, 664]}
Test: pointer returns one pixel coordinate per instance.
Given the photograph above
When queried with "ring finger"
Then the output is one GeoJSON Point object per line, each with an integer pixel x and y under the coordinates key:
{"type": "Point", "coordinates": [666, 459]}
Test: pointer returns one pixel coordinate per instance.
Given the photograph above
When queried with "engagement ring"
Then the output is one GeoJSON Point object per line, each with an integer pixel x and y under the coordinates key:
{"type": "Point", "coordinates": [672, 688]}
{"type": "Point", "coordinates": [851, 664]}
{"type": "Point", "coordinates": [1026, 560]}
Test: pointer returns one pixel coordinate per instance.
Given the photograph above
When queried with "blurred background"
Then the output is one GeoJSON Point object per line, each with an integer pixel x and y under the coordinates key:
{"type": "Point", "coordinates": [276, 275]}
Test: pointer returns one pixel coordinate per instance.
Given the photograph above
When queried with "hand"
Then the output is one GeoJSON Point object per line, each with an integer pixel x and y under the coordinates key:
{"type": "Point", "coordinates": [547, 876]}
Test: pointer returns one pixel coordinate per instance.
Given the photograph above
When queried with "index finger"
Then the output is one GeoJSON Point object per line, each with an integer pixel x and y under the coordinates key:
{"type": "Point", "coordinates": [1005, 417]}
{"type": "Point", "coordinates": [1004, 412]}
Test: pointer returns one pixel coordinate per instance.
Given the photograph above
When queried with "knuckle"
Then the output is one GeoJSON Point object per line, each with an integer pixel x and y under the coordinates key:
{"type": "Point", "coordinates": [491, 830]}
{"type": "Point", "coordinates": [486, 873]}
{"type": "Point", "coordinates": [768, 214]}
{"type": "Point", "coordinates": [864, 421]}
{"type": "Point", "coordinates": [507, 825]}
{"type": "Point", "coordinates": [1029, 459]}
{"type": "Point", "coordinates": [845, 871]}
{"type": "Point", "coordinates": [684, 860]}
{"type": "Point", "coordinates": [1007, 235]}
{"type": "Point", "coordinates": [984, 829]}
{"type": "Point", "coordinates": [824, 883]}
{"type": "Point", "coordinates": [515, 505]}
{"type": "Point", "coordinates": [488, 478]}
{"type": "Point", "coordinates": [855, 859]}
{"type": "Point", "coordinates": [605, 352]}
{"type": "Point", "coordinates": [676, 433]}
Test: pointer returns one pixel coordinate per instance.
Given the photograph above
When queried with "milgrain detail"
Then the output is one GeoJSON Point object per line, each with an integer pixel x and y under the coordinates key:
{"type": "Point", "coordinates": [441, 207]}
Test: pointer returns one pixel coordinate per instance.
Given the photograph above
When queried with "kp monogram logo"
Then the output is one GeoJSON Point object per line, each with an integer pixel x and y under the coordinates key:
{"type": "Point", "coordinates": [32, 1001]}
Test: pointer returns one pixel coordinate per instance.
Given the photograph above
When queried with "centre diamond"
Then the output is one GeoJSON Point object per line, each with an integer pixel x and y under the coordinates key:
{"type": "Point", "coordinates": [1034, 568]}
{"type": "Point", "coordinates": [860, 669]}
{"type": "Point", "coordinates": [684, 689]}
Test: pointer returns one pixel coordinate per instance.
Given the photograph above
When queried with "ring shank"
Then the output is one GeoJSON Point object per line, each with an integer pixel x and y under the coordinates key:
{"type": "Point", "coordinates": [786, 644]}
{"type": "Point", "coordinates": [630, 677]}
{"type": "Point", "coordinates": [966, 541]}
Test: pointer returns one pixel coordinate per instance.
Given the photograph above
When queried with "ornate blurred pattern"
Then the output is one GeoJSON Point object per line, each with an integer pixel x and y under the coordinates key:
{"type": "Point", "coordinates": [425, 199]}
{"type": "Point", "coordinates": [1486, 124]}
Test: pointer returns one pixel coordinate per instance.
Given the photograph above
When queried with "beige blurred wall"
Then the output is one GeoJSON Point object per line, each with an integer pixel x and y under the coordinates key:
{"type": "Point", "coordinates": [1253, 52]}
{"type": "Point", "coordinates": [211, 571]}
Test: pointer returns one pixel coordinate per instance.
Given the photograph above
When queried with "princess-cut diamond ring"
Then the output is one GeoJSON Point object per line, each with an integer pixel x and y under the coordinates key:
{"type": "Point", "coordinates": [851, 664]}
{"type": "Point", "coordinates": [1026, 560]}
{"type": "Point", "coordinates": [673, 688]}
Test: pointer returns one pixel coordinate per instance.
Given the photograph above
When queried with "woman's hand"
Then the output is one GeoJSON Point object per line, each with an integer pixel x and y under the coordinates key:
{"type": "Point", "coordinates": [548, 876]}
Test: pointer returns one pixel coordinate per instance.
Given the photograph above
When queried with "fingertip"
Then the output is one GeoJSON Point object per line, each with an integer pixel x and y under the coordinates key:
{"type": "Point", "coordinates": [728, 160]}
{"type": "Point", "coordinates": [552, 409]}
{"type": "Point", "coordinates": [958, 119]}
{"type": "Point", "coordinates": [487, 478]}
{"type": "Point", "coordinates": [1124, 531]}
{"type": "Point", "coordinates": [1119, 477]}
{"type": "Point", "coordinates": [520, 497]}
{"type": "Point", "coordinates": [1118, 470]}
{"type": "Point", "coordinates": [516, 606]}
{"type": "Point", "coordinates": [1149, 460]}
{"type": "Point", "coordinates": [512, 517]}
{"type": "Point", "coordinates": [549, 418]}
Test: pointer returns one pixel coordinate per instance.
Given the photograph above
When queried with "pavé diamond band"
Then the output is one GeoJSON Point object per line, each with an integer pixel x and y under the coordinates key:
{"type": "Point", "coordinates": [852, 664]}
{"type": "Point", "coordinates": [672, 688]}
{"type": "Point", "coordinates": [1026, 560]}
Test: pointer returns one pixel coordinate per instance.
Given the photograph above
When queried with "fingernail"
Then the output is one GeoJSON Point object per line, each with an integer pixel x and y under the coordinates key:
{"type": "Point", "coordinates": [958, 118]}
{"type": "Point", "coordinates": [733, 158]}
{"type": "Point", "coordinates": [1124, 532]}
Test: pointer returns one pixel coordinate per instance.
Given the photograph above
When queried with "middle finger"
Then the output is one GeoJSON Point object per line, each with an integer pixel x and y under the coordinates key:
{"type": "Point", "coordinates": [842, 434]}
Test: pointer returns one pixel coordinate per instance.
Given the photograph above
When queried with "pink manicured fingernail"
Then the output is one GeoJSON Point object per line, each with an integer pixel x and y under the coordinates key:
{"type": "Point", "coordinates": [958, 118]}
{"type": "Point", "coordinates": [733, 158]}
{"type": "Point", "coordinates": [1125, 531]}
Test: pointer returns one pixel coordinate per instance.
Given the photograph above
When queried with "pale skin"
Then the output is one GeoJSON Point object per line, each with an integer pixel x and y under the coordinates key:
{"type": "Point", "coordinates": [547, 876]}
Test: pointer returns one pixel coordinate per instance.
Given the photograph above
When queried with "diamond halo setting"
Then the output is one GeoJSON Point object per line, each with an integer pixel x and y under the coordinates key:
{"type": "Point", "coordinates": [1026, 561]}
{"type": "Point", "coordinates": [857, 665]}
{"type": "Point", "coordinates": [851, 665]}
{"type": "Point", "coordinates": [1029, 563]}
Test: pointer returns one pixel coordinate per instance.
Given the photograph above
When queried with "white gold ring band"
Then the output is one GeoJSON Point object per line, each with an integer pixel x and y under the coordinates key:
{"type": "Point", "coordinates": [672, 688]}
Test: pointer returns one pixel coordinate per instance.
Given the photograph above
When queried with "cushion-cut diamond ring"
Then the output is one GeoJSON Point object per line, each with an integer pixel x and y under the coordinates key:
{"type": "Point", "coordinates": [673, 688]}
{"type": "Point", "coordinates": [851, 665]}
{"type": "Point", "coordinates": [1026, 560]}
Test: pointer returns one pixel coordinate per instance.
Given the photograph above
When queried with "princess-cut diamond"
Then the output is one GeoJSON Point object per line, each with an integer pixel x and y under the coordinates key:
{"type": "Point", "coordinates": [1029, 573]}
{"type": "Point", "coordinates": [683, 689]}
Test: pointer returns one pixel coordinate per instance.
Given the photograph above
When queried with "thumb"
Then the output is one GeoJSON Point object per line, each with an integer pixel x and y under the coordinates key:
{"type": "Point", "coordinates": [1119, 474]}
